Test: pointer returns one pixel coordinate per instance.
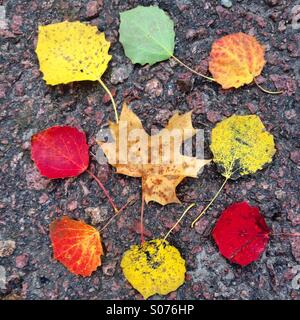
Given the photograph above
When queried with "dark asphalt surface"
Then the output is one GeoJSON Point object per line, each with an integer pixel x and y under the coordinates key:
{"type": "Point", "coordinates": [29, 202]}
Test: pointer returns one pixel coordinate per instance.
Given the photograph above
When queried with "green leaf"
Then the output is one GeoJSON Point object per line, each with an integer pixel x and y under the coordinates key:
{"type": "Point", "coordinates": [147, 34]}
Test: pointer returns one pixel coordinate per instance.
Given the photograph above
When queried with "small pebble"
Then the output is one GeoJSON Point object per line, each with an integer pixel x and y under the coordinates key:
{"type": "Point", "coordinates": [2, 278]}
{"type": "Point", "coordinates": [22, 261]}
{"type": "Point", "coordinates": [121, 73]}
{"type": "Point", "coordinates": [154, 88]}
{"type": "Point", "coordinates": [226, 3]}
{"type": "Point", "coordinates": [7, 248]}
{"type": "Point", "coordinates": [92, 9]}
{"type": "Point", "coordinates": [72, 205]}
{"type": "Point", "coordinates": [97, 214]}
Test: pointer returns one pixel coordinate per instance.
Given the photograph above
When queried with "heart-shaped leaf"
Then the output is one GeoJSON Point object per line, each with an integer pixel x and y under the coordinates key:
{"type": "Point", "coordinates": [154, 267]}
{"type": "Point", "coordinates": [241, 145]}
{"type": "Point", "coordinates": [72, 51]}
{"type": "Point", "coordinates": [147, 34]}
{"type": "Point", "coordinates": [76, 245]}
{"type": "Point", "coordinates": [60, 152]}
{"type": "Point", "coordinates": [236, 59]}
{"type": "Point", "coordinates": [241, 233]}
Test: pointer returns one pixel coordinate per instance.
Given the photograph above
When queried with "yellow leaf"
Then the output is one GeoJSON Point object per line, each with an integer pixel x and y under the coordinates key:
{"type": "Point", "coordinates": [155, 267]}
{"type": "Point", "coordinates": [157, 158]}
{"type": "Point", "coordinates": [236, 59]}
{"type": "Point", "coordinates": [241, 145]}
{"type": "Point", "coordinates": [71, 51]}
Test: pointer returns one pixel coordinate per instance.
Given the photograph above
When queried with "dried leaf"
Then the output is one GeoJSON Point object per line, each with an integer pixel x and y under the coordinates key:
{"type": "Point", "coordinates": [241, 233]}
{"type": "Point", "coordinates": [241, 145]}
{"type": "Point", "coordinates": [71, 51]}
{"type": "Point", "coordinates": [157, 159]}
{"type": "Point", "coordinates": [155, 267]}
{"type": "Point", "coordinates": [147, 34]}
{"type": "Point", "coordinates": [76, 245]}
{"type": "Point", "coordinates": [236, 59]}
{"type": "Point", "coordinates": [60, 152]}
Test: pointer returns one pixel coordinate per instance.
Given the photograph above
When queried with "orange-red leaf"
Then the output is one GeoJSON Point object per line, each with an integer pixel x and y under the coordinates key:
{"type": "Point", "coordinates": [236, 59]}
{"type": "Point", "coordinates": [76, 245]}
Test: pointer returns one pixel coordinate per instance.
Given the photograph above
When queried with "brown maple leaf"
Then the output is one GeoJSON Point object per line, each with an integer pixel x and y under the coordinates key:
{"type": "Point", "coordinates": [156, 158]}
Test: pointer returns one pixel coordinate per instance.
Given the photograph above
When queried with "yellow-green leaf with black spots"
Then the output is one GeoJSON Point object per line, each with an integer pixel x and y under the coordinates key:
{"type": "Point", "coordinates": [155, 267]}
{"type": "Point", "coordinates": [241, 145]}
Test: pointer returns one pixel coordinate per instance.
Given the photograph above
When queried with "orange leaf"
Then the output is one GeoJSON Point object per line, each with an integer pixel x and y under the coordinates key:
{"type": "Point", "coordinates": [236, 60]}
{"type": "Point", "coordinates": [76, 245]}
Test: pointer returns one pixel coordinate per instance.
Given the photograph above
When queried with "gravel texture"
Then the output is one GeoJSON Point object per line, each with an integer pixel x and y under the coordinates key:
{"type": "Point", "coordinates": [30, 202]}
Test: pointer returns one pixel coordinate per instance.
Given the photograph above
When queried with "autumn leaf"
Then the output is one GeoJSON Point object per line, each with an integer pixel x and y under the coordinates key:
{"type": "Point", "coordinates": [241, 233]}
{"type": "Point", "coordinates": [155, 267]}
{"type": "Point", "coordinates": [60, 152]}
{"type": "Point", "coordinates": [147, 34]}
{"type": "Point", "coordinates": [236, 59]}
{"type": "Point", "coordinates": [73, 51]}
{"type": "Point", "coordinates": [76, 245]}
{"type": "Point", "coordinates": [156, 159]}
{"type": "Point", "coordinates": [240, 146]}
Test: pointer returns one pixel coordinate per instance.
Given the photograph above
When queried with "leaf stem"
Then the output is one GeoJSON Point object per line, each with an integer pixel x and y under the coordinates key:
{"type": "Point", "coordinates": [265, 90]}
{"type": "Point", "coordinates": [211, 202]}
{"type": "Point", "coordinates": [296, 234]}
{"type": "Point", "coordinates": [116, 214]}
{"type": "Point", "coordinates": [178, 221]}
{"type": "Point", "coordinates": [192, 70]}
{"type": "Point", "coordinates": [142, 220]}
{"type": "Point", "coordinates": [104, 190]}
{"type": "Point", "coordinates": [111, 98]}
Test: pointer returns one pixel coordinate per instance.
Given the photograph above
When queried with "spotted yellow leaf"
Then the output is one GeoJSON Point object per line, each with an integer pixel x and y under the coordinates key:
{"type": "Point", "coordinates": [155, 267]}
{"type": "Point", "coordinates": [241, 145]}
{"type": "Point", "coordinates": [71, 51]}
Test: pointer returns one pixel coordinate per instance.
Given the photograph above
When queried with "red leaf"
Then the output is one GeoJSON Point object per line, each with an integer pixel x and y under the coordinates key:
{"type": "Point", "coordinates": [76, 245]}
{"type": "Point", "coordinates": [241, 233]}
{"type": "Point", "coordinates": [60, 152]}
